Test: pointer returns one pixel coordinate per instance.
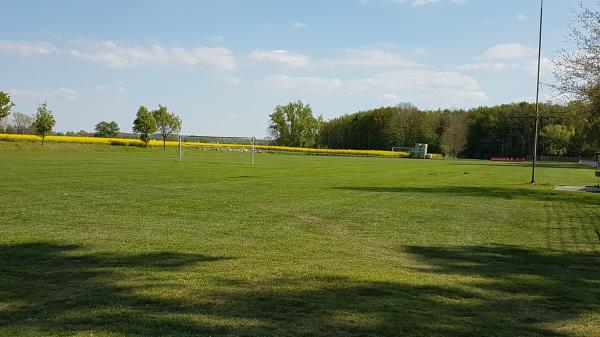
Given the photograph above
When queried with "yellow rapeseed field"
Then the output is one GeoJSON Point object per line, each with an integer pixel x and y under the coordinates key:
{"type": "Point", "coordinates": [137, 142]}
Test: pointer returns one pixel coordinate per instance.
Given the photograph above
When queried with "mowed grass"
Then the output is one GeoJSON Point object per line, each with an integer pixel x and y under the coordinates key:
{"type": "Point", "coordinates": [111, 241]}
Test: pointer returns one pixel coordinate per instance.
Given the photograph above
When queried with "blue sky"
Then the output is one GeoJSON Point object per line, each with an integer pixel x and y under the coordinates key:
{"type": "Point", "coordinates": [224, 65]}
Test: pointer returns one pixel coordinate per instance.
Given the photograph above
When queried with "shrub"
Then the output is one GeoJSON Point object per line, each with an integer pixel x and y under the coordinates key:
{"type": "Point", "coordinates": [119, 142]}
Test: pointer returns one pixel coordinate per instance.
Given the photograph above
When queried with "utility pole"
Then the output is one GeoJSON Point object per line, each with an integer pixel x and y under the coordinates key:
{"type": "Point", "coordinates": [537, 96]}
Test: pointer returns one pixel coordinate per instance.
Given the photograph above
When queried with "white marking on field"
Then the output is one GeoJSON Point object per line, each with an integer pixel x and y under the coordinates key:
{"type": "Point", "coordinates": [577, 188]}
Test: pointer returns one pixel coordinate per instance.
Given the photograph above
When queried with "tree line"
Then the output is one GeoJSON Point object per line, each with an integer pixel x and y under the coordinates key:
{"type": "Point", "coordinates": [498, 131]}
{"type": "Point", "coordinates": [571, 129]}
{"type": "Point", "coordinates": [160, 122]}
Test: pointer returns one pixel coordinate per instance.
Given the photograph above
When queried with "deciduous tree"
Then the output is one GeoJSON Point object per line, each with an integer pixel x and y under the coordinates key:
{"type": "Point", "coordinates": [106, 129]}
{"type": "Point", "coordinates": [166, 123]}
{"type": "Point", "coordinates": [293, 124]}
{"type": "Point", "coordinates": [44, 121]}
{"type": "Point", "coordinates": [144, 124]}
{"type": "Point", "coordinates": [556, 138]}
{"type": "Point", "coordinates": [454, 134]}
{"type": "Point", "coordinates": [21, 122]}
{"type": "Point", "coordinates": [577, 71]}
{"type": "Point", "coordinates": [5, 104]}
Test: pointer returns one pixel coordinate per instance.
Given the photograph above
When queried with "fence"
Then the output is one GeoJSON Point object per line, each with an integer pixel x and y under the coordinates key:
{"type": "Point", "coordinates": [564, 159]}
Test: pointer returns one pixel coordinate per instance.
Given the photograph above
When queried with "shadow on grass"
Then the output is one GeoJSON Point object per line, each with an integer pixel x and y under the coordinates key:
{"type": "Point", "coordinates": [57, 290]}
{"type": "Point", "coordinates": [528, 165]}
{"type": "Point", "coordinates": [485, 192]}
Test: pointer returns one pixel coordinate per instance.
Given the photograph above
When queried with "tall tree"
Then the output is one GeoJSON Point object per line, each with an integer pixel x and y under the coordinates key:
{"type": "Point", "coordinates": [21, 122]}
{"type": "Point", "coordinates": [577, 71]}
{"type": "Point", "coordinates": [293, 124]}
{"type": "Point", "coordinates": [44, 121]}
{"type": "Point", "coordinates": [5, 104]}
{"type": "Point", "coordinates": [166, 123]}
{"type": "Point", "coordinates": [144, 124]}
{"type": "Point", "coordinates": [106, 130]}
{"type": "Point", "coordinates": [454, 134]}
{"type": "Point", "coordinates": [556, 138]}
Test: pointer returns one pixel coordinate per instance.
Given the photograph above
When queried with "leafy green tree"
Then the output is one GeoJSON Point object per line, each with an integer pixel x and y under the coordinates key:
{"type": "Point", "coordinates": [556, 138]}
{"type": "Point", "coordinates": [106, 130]}
{"type": "Point", "coordinates": [5, 104]}
{"type": "Point", "coordinates": [144, 124]}
{"type": "Point", "coordinates": [293, 124]}
{"type": "Point", "coordinates": [166, 123]}
{"type": "Point", "coordinates": [44, 121]}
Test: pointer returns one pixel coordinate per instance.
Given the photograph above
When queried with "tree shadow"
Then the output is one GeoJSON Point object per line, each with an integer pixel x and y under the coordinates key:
{"type": "Point", "coordinates": [525, 288]}
{"type": "Point", "coordinates": [515, 193]}
{"type": "Point", "coordinates": [50, 289]}
{"type": "Point", "coordinates": [555, 165]}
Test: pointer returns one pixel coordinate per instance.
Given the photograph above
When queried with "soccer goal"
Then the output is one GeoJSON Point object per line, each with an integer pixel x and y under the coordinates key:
{"type": "Point", "coordinates": [248, 145]}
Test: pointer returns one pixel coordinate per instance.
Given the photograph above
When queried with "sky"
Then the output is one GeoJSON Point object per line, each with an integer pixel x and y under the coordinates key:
{"type": "Point", "coordinates": [224, 65]}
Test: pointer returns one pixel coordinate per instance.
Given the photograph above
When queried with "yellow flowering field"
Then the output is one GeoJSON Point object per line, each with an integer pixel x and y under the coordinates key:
{"type": "Point", "coordinates": [137, 142]}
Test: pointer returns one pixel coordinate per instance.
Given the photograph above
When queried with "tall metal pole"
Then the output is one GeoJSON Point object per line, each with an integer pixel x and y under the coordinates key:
{"type": "Point", "coordinates": [537, 95]}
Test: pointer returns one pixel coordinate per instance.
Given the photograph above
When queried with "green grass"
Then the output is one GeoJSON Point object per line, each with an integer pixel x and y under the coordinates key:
{"type": "Point", "coordinates": [114, 241]}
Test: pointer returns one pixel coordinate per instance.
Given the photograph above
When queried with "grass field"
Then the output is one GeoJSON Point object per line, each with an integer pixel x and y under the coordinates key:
{"type": "Point", "coordinates": [116, 241]}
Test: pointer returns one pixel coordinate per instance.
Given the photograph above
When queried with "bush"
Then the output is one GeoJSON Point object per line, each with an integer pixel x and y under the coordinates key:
{"type": "Point", "coordinates": [119, 142]}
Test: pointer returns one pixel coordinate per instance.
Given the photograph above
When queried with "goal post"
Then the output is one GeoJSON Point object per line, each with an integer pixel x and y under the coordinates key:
{"type": "Point", "coordinates": [180, 149]}
{"type": "Point", "coordinates": [252, 151]}
{"type": "Point", "coordinates": [227, 143]}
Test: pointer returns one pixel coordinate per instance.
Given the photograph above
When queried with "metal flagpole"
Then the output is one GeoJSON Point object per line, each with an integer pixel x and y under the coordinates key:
{"type": "Point", "coordinates": [537, 96]}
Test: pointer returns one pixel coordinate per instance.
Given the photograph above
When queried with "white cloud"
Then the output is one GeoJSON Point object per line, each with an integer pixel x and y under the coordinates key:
{"type": "Point", "coordinates": [483, 66]}
{"type": "Point", "coordinates": [370, 58]}
{"type": "Point", "coordinates": [423, 81]}
{"type": "Point", "coordinates": [300, 25]}
{"type": "Point", "coordinates": [305, 82]}
{"type": "Point", "coordinates": [423, 2]}
{"type": "Point", "coordinates": [44, 94]}
{"type": "Point", "coordinates": [283, 57]}
{"type": "Point", "coordinates": [229, 80]}
{"type": "Point", "coordinates": [22, 48]}
{"type": "Point", "coordinates": [521, 17]}
{"type": "Point", "coordinates": [110, 88]}
{"type": "Point", "coordinates": [116, 55]}
{"type": "Point", "coordinates": [418, 85]}
{"type": "Point", "coordinates": [546, 66]}
{"type": "Point", "coordinates": [420, 51]}
{"type": "Point", "coordinates": [217, 38]}
{"type": "Point", "coordinates": [510, 56]}
{"type": "Point", "coordinates": [389, 98]}
{"type": "Point", "coordinates": [509, 51]}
